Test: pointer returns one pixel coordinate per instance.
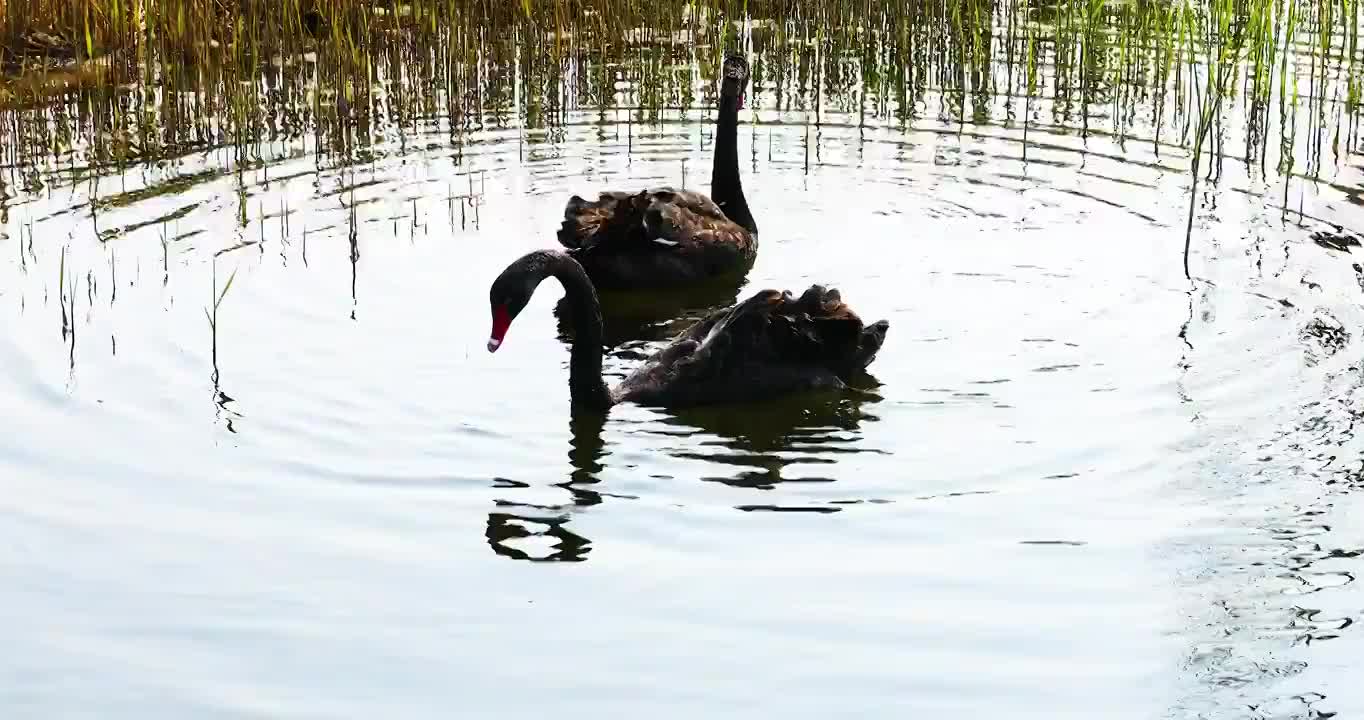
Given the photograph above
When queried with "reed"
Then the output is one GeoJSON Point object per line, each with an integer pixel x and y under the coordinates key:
{"type": "Point", "coordinates": [117, 82]}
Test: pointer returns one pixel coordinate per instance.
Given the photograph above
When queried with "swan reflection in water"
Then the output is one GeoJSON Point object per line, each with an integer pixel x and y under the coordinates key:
{"type": "Point", "coordinates": [761, 440]}
{"type": "Point", "coordinates": [513, 521]}
{"type": "Point", "coordinates": [758, 440]}
{"type": "Point", "coordinates": [632, 316]}
{"type": "Point", "coordinates": [772, 349]}
{"type": "Point", "coordinates": [631, 320]}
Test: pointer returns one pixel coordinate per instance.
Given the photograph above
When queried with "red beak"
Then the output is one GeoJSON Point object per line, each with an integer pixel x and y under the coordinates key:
{"type": "Point", "coordinates": [501, 321]}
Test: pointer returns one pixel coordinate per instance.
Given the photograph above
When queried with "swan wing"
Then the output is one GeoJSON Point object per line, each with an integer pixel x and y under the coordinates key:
{"type": "Point", "coordinates": [658, 220]}
{"type": "Point", "coordinates": [692, 222]}
{"type": "Point", "coordinates": [815, 332]}
{"type": "Point", "coordinates": [769, 344]}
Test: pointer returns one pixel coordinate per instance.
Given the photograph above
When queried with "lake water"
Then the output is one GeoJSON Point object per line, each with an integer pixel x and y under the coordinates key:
{"type": "Point", "coordinates": [1084, 486]}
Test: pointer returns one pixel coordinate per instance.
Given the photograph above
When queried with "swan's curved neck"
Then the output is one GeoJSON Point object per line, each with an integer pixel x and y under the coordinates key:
{"type": "Point", "coordinates": [585, 385]}
{"type": "Point", "coordinates": [725, 187]}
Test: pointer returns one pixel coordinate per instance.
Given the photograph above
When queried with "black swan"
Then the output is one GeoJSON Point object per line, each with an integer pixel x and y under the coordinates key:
{"type": "Point", "coordinates": [667, 237]}
{"type": "Point", "coordinates": [767, 345]}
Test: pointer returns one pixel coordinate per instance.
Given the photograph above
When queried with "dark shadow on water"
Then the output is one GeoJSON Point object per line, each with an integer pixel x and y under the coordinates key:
{"type": "Point", "coordinates": [585, 452]}
{"type": "Point", "coordinates": [514, 521]}
{"type": "Point", "coordinates": [506, 527]}
{"type": "Point", "coordinates": [652, 315]}
{"type": "Point", "coordinates": [761, 440]}
{"type": "Point", "coordinates": [758, 439]}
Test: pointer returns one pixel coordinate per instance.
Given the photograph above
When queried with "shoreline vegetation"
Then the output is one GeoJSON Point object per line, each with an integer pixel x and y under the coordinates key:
{"type": "Point", "coordinates": [95, 89]}
{"type": "Point", "coordinates": [140, 80]}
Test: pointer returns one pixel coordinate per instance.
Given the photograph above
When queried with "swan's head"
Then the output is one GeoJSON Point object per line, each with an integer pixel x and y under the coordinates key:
{"type": "Point", "coordinates": [734, 77]}
{"type": "Point", "coordinates": [510, 292]}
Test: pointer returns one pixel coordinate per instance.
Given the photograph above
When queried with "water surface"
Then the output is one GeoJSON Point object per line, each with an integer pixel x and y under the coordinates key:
{"type": "Point", "coordinates": [1083, 484]}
